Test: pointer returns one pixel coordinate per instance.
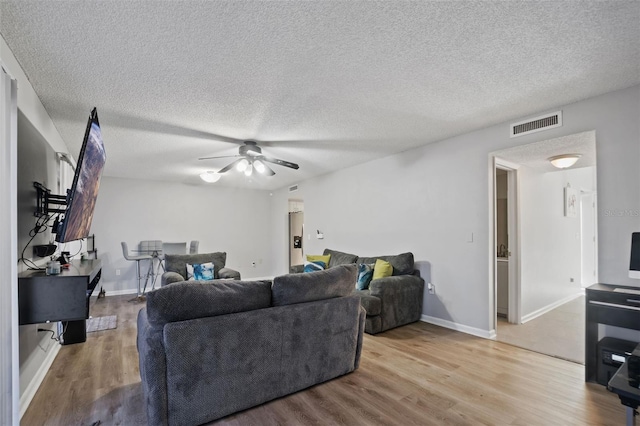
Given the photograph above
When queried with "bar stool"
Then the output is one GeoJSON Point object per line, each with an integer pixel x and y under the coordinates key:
{"type": "Point", "coordinates": [137, 259]}
{"type": "Point", "coordinates": [153, 248]}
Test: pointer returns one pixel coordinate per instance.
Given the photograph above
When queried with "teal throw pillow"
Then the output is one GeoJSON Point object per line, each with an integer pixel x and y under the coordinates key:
{"type": "Point", "coordinates": [200, 271]}
{"type": "Point", "coordinates": [365, 275]}
{"type": "Point", "coordinates": [318, 265]}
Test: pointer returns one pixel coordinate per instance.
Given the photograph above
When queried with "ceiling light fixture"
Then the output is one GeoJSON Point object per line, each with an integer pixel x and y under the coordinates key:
{"type": "Point", "coordinates": [210, 177]}
{"type": "Point", "coordinates": [242, 165]}
{"type": "Point", "coordinates": [565, 160]}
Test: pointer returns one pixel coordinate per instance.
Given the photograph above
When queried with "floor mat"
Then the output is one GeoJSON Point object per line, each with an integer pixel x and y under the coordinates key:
{"type": "Point", "coordinates": [102, 323]}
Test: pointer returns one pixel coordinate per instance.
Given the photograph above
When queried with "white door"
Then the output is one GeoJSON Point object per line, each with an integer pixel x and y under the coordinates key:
{"type": "Point", "coordinates": [589, 273]}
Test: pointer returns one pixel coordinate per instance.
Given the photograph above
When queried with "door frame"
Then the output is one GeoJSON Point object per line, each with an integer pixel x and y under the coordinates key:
{"type": "Point", "coordinates": [594, 194]}
{"type": "Point", "coordinates": [513, 230]}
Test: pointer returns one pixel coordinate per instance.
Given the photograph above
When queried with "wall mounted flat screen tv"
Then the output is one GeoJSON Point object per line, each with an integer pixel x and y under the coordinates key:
{"type": "Point", "coordinates": [81, 198]}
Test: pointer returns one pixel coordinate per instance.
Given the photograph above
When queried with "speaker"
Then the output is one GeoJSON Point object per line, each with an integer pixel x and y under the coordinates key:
{"type": "Point", "coordinates": [44, 250]}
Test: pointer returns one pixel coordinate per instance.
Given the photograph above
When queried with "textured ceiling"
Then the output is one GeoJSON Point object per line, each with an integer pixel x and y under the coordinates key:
{"type": "Point", "coordinates": [327, 84]}
{"type": "Point", "coordinates": [536, 155]}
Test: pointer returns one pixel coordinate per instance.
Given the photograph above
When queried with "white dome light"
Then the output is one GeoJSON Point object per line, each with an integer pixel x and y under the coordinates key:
{"type": "Point", "coordinates": [210, 177]}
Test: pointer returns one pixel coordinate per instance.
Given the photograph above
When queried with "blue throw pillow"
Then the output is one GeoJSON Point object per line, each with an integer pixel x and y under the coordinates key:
{"type": "Point", "coordinates": [318, 265]}
{"type": "Point", "coordinates": [365, 274]}
{"type": "Point", "coordinates": [200, 271]}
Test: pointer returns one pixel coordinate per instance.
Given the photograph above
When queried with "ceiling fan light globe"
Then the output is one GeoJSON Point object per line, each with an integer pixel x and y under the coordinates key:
{"type": "Point", "coordinates": [210, 177]}
{"type": "Point", "coordinates": [259, 166]}
{"type": "Point", "coordinates": [248, 171]}
{"type": "Point", "coordinates": [242, 165]}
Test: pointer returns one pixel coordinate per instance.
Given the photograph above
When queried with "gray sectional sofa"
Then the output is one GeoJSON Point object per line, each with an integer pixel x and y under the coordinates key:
{"type": "Point", "coordinates": [208, 349]}
{"type": "Point", "coordinates": [390, 302]}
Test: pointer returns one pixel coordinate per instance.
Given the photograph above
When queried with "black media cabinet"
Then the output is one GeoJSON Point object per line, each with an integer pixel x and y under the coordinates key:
{"type": "Point", "coordinates": [612, 305]}
{"type": "Point", "coordinates": [65, 297]}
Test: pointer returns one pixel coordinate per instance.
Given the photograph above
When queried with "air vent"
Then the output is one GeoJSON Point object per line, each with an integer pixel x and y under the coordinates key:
{"type": "Point", "coordinates": [536, 124]}
{"type": "Point", "coordinates": [293, 188]}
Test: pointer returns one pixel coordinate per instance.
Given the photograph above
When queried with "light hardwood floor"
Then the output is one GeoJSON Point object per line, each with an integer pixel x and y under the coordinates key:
{"type": "Point", "coordinates": [418, 374]}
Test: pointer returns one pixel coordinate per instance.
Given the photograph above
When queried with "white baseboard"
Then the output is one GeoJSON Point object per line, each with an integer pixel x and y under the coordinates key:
{"type": "Point", "coordinates": [32, 388]}
{"type": "Point", "coordinates": [485, 334]}
{"type": "Point", "coordinates": [545, 309]}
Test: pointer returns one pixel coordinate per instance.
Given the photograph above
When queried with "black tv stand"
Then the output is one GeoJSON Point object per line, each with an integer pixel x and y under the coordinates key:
{"type": "Point", "coordinates": [65, 297]}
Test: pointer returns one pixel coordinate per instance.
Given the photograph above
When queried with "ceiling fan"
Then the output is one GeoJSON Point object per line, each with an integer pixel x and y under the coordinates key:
{"type": "Point", "coordinates": [249, 158]}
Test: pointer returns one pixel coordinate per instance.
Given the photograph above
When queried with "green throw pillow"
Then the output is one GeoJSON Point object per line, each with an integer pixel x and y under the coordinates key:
{"type": "Point", "coordinates": [319, 258]}
{"type": "Point", "coordinates": [382, 269]}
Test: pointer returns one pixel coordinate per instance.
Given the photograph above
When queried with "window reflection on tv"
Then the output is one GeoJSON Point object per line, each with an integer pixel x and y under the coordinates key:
{"type": "Point", "coordinates": [86, 183]}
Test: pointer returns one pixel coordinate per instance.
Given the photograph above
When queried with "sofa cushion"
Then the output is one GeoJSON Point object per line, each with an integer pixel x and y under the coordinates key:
{"type": "Point", "coordinates": [340, 258]}
{"type": "Point", "coordinates": [402, 263]}
{"type": "Point", "coordinates": [314, 266]}
{"type": "Point", "coordinates": [371, 304]}
{"type": "Point", "coordinates": [382, 269]}
{"type": "Point", "coordinates": [300, 288]}
{"type": "Point", "coordinates": [189, 300]}
{"type": "Point", "coordinates": [319, 258]}
{"type": "Point", "coordinates": [178, 262]}
{"type": "Point", "coordinates": [365, 275]}
{"type": "Point", "coordinates": [200, 271]}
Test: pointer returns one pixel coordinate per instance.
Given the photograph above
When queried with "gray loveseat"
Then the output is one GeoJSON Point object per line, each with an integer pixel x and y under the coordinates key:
{"type": "Point", "coordinates": [209, 349]}
{"type": "Point", "coordinates": [390, 302]}
{"type": "Point", "coordinates": [175, 266]}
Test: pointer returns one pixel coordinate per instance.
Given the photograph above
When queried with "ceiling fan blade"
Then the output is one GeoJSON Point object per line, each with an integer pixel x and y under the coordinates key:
{"type": "Point", "coordinates": [230, 166]}
{"type": "Point", "coordinates": [223, 156]}
{"type": "Point", "coordinates": [280, 162]}
{"type": "Point", "coordinates": [268, 170]}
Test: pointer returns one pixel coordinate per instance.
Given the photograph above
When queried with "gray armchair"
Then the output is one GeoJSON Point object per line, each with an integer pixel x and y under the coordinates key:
{"type": "Point", "coordinates": [176, 266]}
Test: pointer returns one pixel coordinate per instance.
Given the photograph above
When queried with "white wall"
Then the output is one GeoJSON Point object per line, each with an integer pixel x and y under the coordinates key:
{"type": "Point", "coordinates": [222, 219]}
{"type": "Point", "coordinates": [431, 199]}
{"type": "Point", "coordinates": [36, 349]}
{"type": "Point", "coordinates": [549, 242]}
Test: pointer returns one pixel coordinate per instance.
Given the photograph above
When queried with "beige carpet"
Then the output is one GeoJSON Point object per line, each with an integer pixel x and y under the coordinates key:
{"type": "Point", "coordinates": [102, 323]}
{"type": "Point", "coordinates": [558, 333]}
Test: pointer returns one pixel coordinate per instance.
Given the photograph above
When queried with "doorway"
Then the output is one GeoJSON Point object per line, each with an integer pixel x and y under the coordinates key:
{"type": "Point", "coordinates": [506, 285]}
{"type": "Point", "coordinates": [555, 247]}
{"type": "Point", "coordinates": [296, 232]}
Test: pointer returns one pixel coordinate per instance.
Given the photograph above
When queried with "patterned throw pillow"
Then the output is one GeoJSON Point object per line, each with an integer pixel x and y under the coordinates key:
{"type": "Point", "coordinates": [314, 266]}
{"type": "Point", "coordinates": [365, 274]}
{"type": "Point", "coordinates": [200, 271]}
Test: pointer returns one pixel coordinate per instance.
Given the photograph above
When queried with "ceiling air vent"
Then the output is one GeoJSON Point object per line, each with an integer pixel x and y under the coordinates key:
{"type": "Point", "coordinates": [536, 124]}
{"type": "Point", "coordinates": [293, 188]}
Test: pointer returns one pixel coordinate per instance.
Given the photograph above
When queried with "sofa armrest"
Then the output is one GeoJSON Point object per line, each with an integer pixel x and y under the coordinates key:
{"type": "Point", "coordinates": [153, 369]}
{"type": "Point", "coordinates": [228, 273]}
{"type": "Point", "coordinates": [296, 269]}
{"type": "Point", "coordinates": [170, 277]}
{"type": "Point", "coordinates": [393, 284]}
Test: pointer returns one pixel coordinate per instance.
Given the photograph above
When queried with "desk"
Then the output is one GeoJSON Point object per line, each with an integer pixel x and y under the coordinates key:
{"type": "Point", "coordinates": [65, 297]}
{"type": "Point", "coordinates": [626, 388]}
{"type": "Point", "coordinates": [611, 305]}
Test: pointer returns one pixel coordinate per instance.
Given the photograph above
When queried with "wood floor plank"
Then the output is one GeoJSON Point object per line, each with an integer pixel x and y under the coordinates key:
{"type": "Point", "coordinates": [418, 374]}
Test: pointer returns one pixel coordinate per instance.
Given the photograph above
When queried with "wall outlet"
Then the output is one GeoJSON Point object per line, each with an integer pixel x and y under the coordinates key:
{"type": "Point", "coordinates": [431, 288]}
{"type": "Point", "coordinates": [117, 271]}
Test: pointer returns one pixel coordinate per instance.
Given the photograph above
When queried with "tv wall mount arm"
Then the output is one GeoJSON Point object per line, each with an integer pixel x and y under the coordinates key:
{"type": "Point", "coordinates": [48, 203]}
